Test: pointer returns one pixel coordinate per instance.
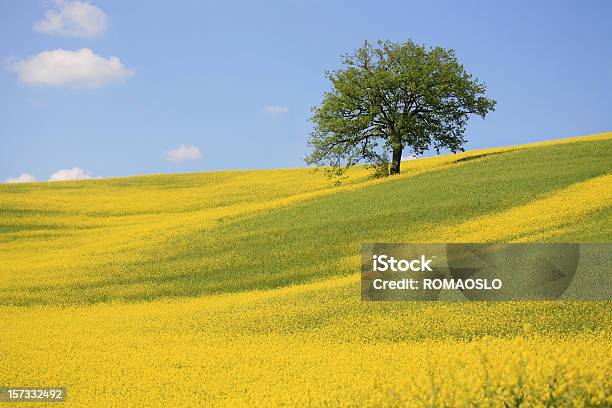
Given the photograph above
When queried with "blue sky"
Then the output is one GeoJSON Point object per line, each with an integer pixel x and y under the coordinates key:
{"type": "Point", "coordinates": [233, 82]}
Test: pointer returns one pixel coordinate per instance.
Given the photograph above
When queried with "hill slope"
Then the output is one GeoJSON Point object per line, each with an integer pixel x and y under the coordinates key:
{"type": "Point", "coordinates": [187, 235]}
{"type": "Point", "coordinates": [231, 288]}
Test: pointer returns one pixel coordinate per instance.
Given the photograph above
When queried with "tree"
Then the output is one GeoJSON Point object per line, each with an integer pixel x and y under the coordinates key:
{"type": "Point", "coordinates": [392, 97]}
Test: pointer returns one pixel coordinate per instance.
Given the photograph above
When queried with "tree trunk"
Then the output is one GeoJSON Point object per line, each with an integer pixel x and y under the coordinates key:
{"type": "Point", "coordinates": [397, 159]}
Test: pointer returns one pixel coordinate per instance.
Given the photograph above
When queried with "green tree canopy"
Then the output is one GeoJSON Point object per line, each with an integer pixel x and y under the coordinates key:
{"type": "Point", "coordinates": [393, 97]}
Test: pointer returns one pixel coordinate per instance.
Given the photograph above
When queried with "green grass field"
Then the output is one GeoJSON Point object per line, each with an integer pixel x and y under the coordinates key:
{"type": "Point", "coordinates": [241, 287]}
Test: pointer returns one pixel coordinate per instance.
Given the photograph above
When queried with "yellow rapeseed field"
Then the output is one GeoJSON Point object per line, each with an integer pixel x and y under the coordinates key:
{"type": "Point", "coordinates": [160, 290]}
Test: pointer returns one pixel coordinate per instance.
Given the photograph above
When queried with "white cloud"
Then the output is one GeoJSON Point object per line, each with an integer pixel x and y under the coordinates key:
{"type": "Point", "coordinates": [72, 69]}
{"type": "Point", "coordinates": [75, 173]}
{"type": "Point", "coordinates": [274, 110]}
{"type": "Point", "coordinates": [73, 18]}
{"type": "Point", "coordinates": [183, 153]}
{"type": "Point", "coordinates": [411, 157]}
{"type": "Point", "coordinates": [23, 178]}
